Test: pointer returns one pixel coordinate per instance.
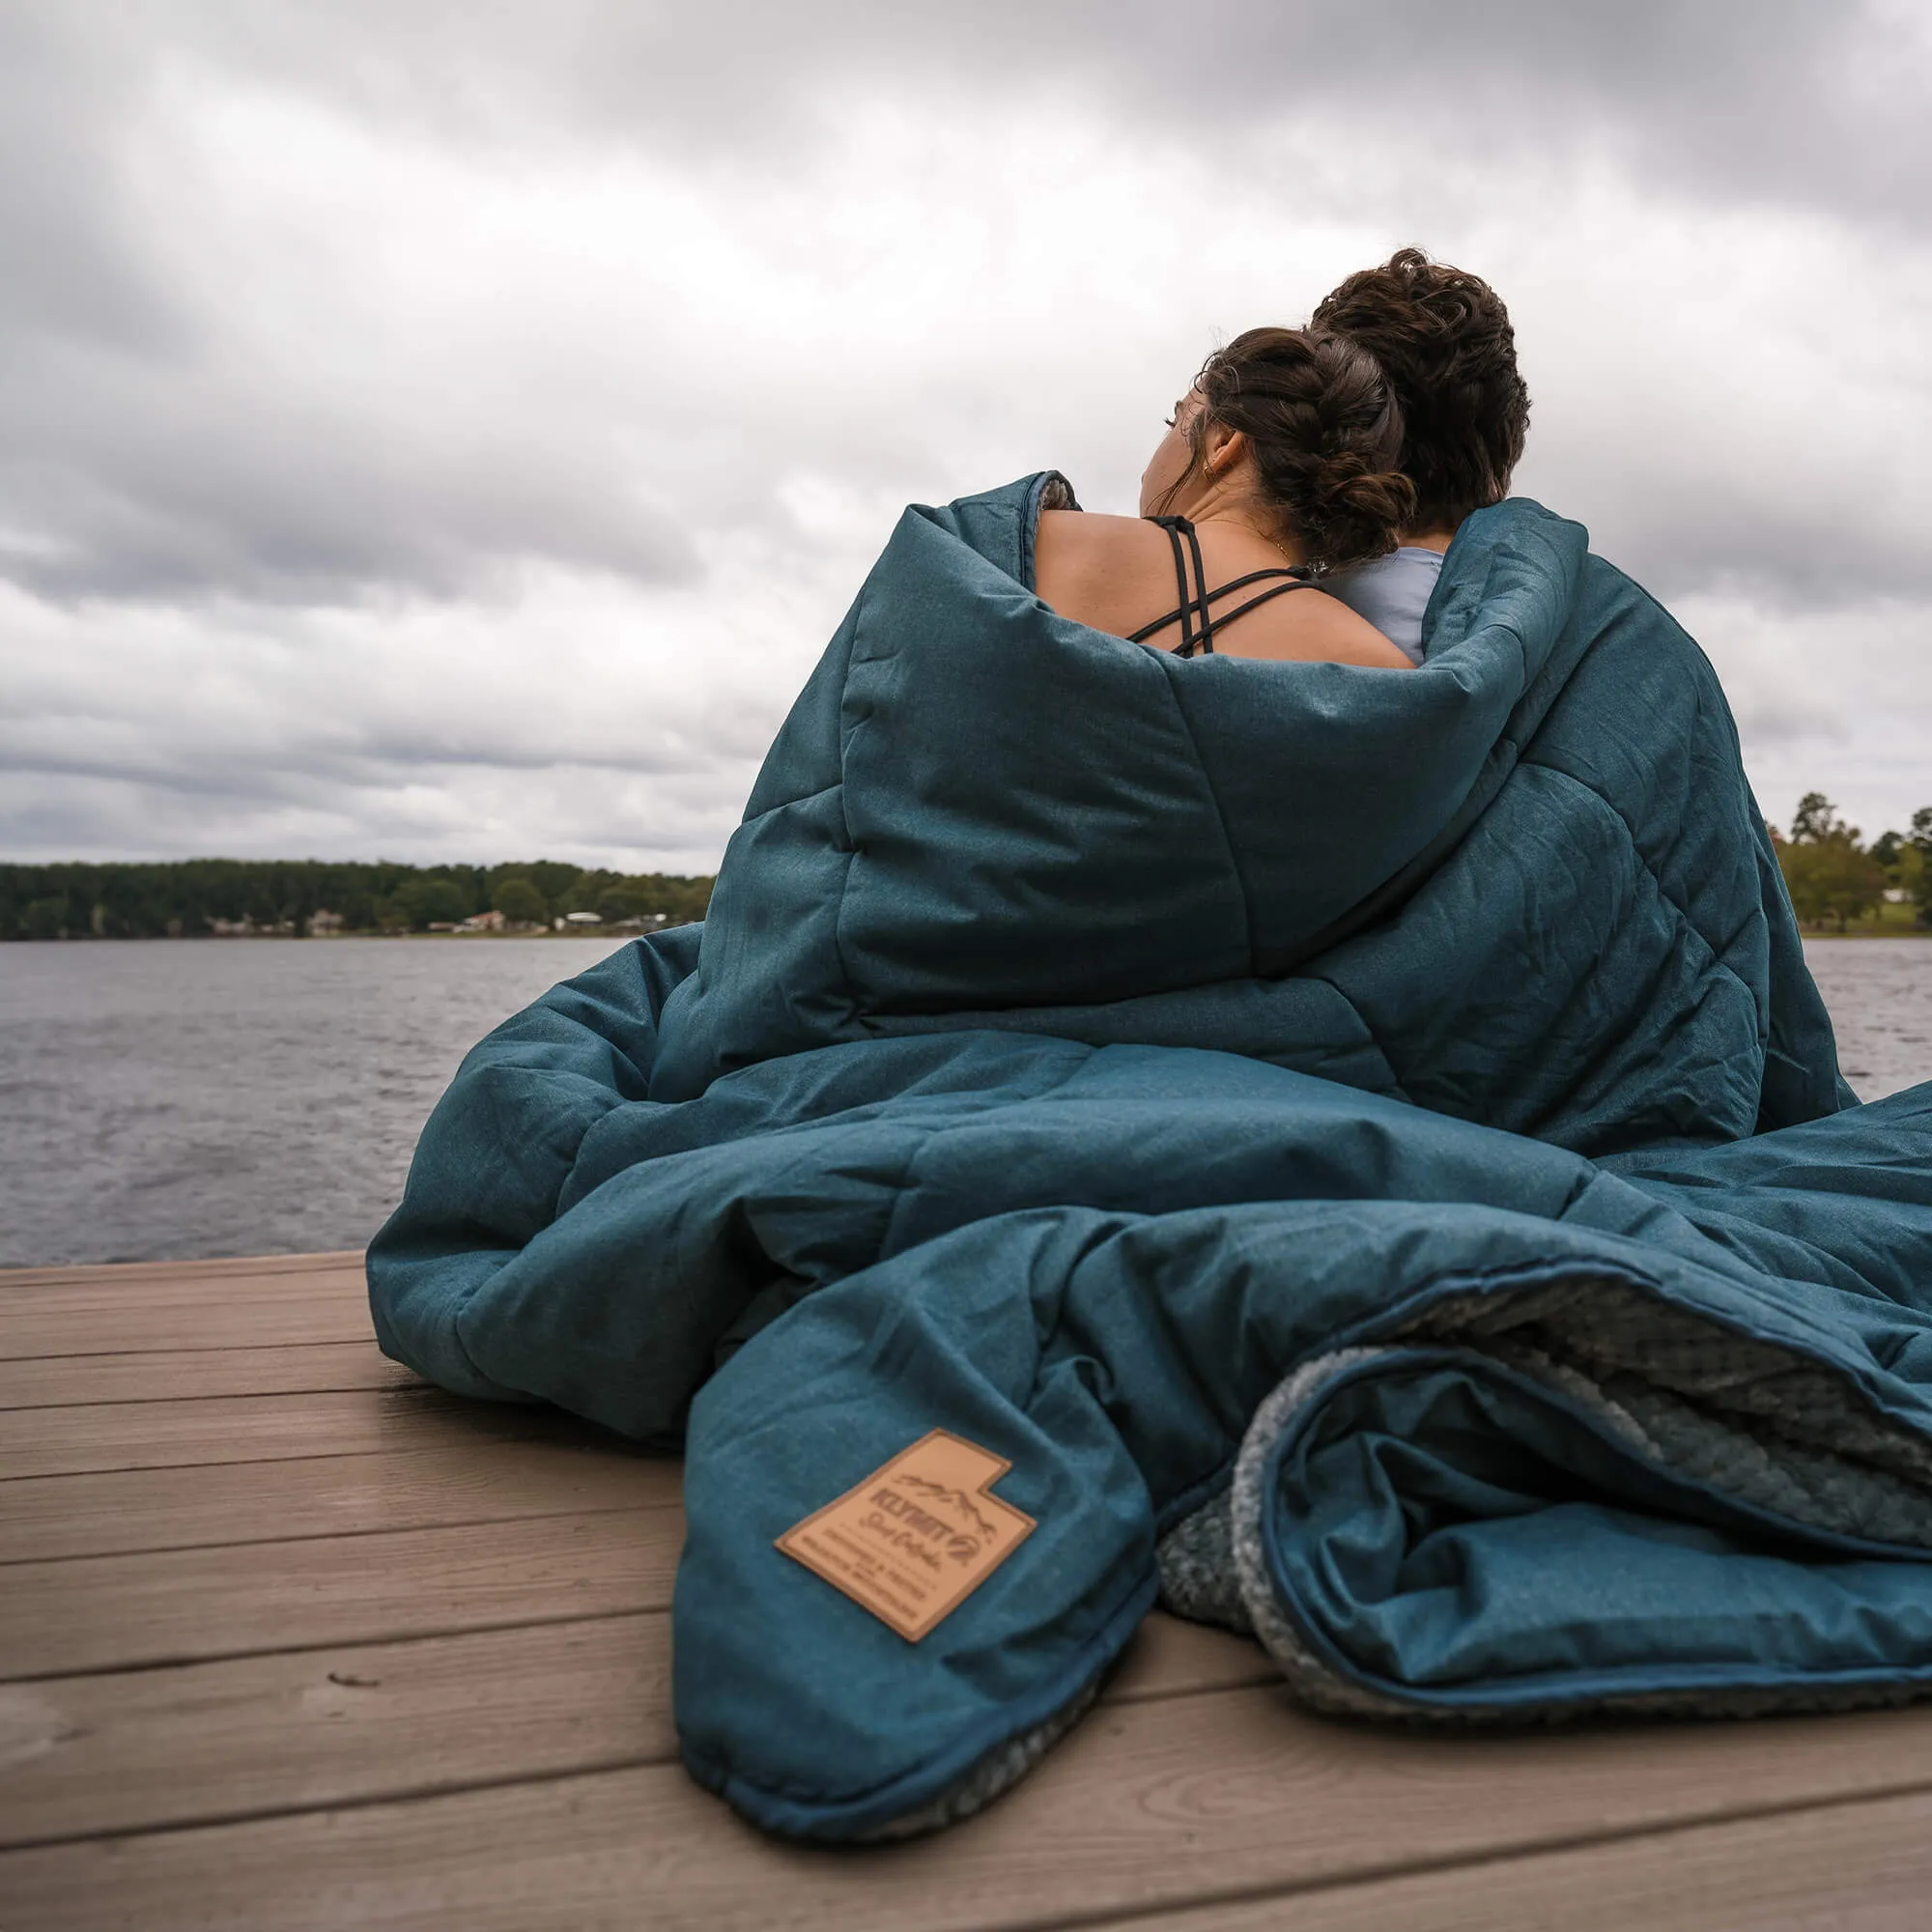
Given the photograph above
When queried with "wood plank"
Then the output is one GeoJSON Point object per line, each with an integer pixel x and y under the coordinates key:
{"type": "Point", "coordinates": [1172, 1658]}
{"type": "Point", "coordinates": [1226, 1794]}
{"type": "Point", "coordinates": [54, 1381]}
{"type": "Point", "coordinates": [226, 1268]}
{"type": "Point", "coordinates": [416, 1488]}
{"type": "Point", "coordinates": [254, 1735]}
{"type": "Point", "coordinates": [250, 1736]}
{"type": "Point", "coordinates": [121, 1312]}
{"type": "Point", "coordinates": [255, 1429]}
{"type": "Point", "coordinates": [1865, 1866]}
{"type": "Point", "coordinates": [168, 1606]}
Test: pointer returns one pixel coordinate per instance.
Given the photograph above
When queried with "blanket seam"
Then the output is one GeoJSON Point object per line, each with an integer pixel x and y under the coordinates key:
{"type": "Point", "coordinates": [1402, 1091]}
{"type": "Point", "coordinates": [889, 1245]}
{"type": "Point", "coordinates": [1638, 852]}
{"type": "Point", "coordinates": [1167, 663]}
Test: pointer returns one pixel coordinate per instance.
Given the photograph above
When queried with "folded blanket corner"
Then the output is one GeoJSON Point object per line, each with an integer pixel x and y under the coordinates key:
{"type": "Point", "coordinates": [1358, 1153]}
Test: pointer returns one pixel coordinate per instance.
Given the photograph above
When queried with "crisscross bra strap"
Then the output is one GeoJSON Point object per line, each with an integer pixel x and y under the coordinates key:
{"type": "Point", "coordinates": [1196, 615]}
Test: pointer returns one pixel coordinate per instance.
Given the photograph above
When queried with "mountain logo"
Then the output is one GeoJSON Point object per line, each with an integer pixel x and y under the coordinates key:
{"type": "Point", "coordinates": [955, 1501]}
{"type": "Point", "coordinates": [913, 1540]}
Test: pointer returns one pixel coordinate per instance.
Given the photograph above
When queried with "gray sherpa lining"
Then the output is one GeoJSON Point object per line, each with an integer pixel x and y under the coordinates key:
{"type": "Point", "coordinates": [1056, 494]}
{"type": "Point", "coordinates": [1308, 1677]}
{"type": "Point", "coordinates": [1196, 1560]}
{"type": "Point", "coordinates": [1743, 1417]}
{"type": "Point", "coordinates": [999, 1769]}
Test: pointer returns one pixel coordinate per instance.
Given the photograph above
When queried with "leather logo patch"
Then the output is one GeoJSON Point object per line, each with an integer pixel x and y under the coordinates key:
{"type": "Point", "coordinates": [916, 1538]}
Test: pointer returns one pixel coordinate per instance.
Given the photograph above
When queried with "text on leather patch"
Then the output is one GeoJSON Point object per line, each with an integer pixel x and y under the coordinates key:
{"type": "Point", "coordinates": [916, 1538]}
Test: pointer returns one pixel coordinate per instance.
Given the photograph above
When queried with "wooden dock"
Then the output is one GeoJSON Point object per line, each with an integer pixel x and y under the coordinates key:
{"type": "Point", "coordinates": [288, 1639]}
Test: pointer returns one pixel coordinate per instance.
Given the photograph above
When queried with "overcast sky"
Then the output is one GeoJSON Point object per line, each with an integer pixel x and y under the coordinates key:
{"type": "Point", "coordinates": [451, 432]}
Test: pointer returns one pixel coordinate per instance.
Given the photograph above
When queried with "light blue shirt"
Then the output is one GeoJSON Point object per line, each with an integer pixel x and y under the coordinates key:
{"type": "Point", "coordinates": [1392, 592]}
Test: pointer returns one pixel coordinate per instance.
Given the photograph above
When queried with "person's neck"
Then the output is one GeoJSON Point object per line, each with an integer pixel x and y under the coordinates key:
{"type": "Point", "coordinates": [1227, 506]}
{"type": "Point", "coordinates": [1436, 540]}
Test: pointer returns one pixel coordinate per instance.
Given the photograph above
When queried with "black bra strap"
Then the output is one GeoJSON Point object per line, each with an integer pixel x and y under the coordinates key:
{"type": "Point", "coordinates": [1204, 631]}
{"type": "Point", "coordinates": [1226, 617]}
{"type": "Point", "coordinates": [1196, 606]}
{"type": "Point", "coordinates": [1191, 601]}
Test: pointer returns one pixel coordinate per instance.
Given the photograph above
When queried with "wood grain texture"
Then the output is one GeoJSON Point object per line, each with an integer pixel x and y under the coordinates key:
{"type": "Point", "coordinates": [1858, 1867]}
{"type": "Point", "coordinates": [201, 1429]}
{"type": "Point", "coordinates": [1162, 1804]}
{"type": "Point", "coordinates": [1170, 1658]}
{"type": "Point", "coordinates": [255, 1735]}
{"type": "Point", "coordinates": [110, 1612]}
{"type": "Point", "coordinates": [415, 1487]}
{"type": "Point", "coordinates": [106, 1313]}
{"type": "Point", "coordinates": [167, 1375]}
{"type": "Point", "coordinates": [250, 1736]}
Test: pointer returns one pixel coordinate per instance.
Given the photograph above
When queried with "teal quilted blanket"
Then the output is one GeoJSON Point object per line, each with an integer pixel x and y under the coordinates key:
{"type": "Point", "coordinates": [1355, 1154]}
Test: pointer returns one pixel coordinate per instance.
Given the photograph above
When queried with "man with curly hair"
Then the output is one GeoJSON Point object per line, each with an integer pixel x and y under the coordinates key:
{"type": "Point", "coordinates": [1445, 341]}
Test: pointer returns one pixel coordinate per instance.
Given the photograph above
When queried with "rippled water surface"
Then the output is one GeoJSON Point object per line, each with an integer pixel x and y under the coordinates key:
{"type": "Point", "coordinates": [174, 1099]}
{"type": "Point", "coordinates": [169, 1099]}
{"type": "Point", "coordinates": [1880, 993]}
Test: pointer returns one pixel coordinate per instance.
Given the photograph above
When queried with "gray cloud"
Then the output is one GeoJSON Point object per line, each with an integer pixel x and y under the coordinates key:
{"type": "Point", "coordinates": [428, 428]}
{"type": "Point", "coordinates": [74, 267]}
{"type": "Point", "coordinates": [1677, 535]}
{"type": "Point", "coordinates": [1752, 99]}
{"type": "Point", "coordinates": [147, 448]}
{"type": "Point", "coordinates": [163, 484]}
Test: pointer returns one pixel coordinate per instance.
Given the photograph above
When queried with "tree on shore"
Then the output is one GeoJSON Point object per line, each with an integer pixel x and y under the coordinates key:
{"type": "Point", "coordinates": [520, 903]}
{"type": "Point", "coordinates": [44, 919]}
{"type": "Point", "coordinates": [428, 902]}
{"type": "Point", "coordinates": [1906, 857]}
{"type": "Point", "coordinates": [1827, 873]}
{"type": "Point", "coordinates": [554, 880]}
{"type": "Point", "coordinates": [1816, 818]}
{"type": "Point", "coordinates": [1915, 863]}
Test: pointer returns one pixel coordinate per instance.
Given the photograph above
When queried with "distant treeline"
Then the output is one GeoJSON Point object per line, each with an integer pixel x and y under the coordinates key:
{"type": "Point", "coordinates": [1834, 877]}
{"type": "Point", "coordinates": [196, 898]}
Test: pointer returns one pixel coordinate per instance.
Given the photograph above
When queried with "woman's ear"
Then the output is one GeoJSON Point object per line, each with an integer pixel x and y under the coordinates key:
{"type": "Point", "coordinates": [1223, 449]}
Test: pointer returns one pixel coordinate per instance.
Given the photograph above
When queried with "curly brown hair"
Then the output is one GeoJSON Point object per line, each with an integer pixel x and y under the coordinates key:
{"type": "Point", "coordinates": [1444, 337]}
{"type": "Point", "coordinates": [1326, 435]}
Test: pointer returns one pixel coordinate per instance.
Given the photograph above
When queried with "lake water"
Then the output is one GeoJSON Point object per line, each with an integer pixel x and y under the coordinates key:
{"type": "Point", "coordinates": [173, 1099]}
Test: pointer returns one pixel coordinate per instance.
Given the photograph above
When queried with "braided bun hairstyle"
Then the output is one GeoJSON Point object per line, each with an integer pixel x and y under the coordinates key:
{"type": "Point", "coordinates": [1325, 431]}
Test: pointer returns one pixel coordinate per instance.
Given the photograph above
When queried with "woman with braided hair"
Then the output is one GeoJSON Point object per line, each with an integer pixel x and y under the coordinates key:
{"type": "Point", "coordinates": [1279, 466]}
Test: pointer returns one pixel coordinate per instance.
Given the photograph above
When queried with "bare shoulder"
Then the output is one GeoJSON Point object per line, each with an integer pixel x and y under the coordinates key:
{"type": "Point", "coordinates": [1314, 628]}
{"type": "Point", "coordinates": [1070, 543]}
{"type": "Point", "coordinates": [1098, 570]}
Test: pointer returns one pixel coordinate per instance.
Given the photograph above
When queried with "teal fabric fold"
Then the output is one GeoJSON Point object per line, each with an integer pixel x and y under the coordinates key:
{"type": "Point", "coordinates": [1388, 1109]}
